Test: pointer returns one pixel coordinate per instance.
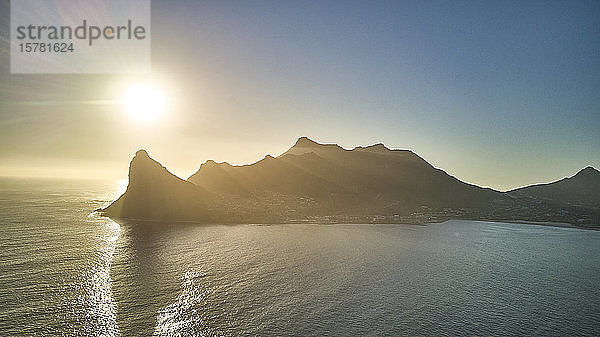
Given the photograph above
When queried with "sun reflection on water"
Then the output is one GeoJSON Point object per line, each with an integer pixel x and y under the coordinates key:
{"type": "Point", "coordinates": [99, 303]}
{"type": "Point", "coordinates": [183, 317]}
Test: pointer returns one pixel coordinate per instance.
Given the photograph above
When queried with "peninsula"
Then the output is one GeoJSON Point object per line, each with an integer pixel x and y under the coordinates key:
{"type": "Point", "coordinates": [325, 183]}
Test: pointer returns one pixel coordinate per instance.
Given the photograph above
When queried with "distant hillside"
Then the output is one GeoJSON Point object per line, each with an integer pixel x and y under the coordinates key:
{"type": "Point", "coordinates": [582, 190]}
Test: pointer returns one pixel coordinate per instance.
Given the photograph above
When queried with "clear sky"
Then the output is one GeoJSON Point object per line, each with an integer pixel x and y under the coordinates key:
{"type": "Point", "coordinates": [497, 93]}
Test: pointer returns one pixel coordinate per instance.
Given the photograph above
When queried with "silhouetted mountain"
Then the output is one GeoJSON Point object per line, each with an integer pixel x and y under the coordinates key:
{"type": "Point", "coordinates": [581, 190]}
{"type": "Point", "coordinates": [155, 193]}
{"type": "Point", "coordinates": [371, 179]}
{"type": "Point", "coordinates": [325, 182]}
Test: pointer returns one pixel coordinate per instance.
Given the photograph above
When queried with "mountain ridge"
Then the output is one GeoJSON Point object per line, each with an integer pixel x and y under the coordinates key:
{"type": "Point", "coordinates": [325, 182]}
{"type": "Point", "coordinates": [580, 189]}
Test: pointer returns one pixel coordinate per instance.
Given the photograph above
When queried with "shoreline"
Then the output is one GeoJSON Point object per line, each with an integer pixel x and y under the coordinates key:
{"type": "Point", "coordinates": [317, 223]}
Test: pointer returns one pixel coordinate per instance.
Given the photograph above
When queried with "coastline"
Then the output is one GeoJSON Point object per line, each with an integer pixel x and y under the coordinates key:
{"type": "Point", "coordinates": [155, 222]}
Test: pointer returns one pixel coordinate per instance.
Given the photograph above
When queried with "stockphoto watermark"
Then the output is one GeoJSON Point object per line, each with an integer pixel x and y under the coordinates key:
{"type": "Point", "coordinates": [83, 36]}
{"type": "Point", "coordinates": [83, 32]}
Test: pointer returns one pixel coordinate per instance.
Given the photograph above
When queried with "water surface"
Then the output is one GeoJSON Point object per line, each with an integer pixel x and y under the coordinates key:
{"type": "Point", "coordinates": [66, 272]}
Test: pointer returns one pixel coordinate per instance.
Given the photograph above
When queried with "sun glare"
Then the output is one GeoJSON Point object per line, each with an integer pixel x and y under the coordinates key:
{"type": "Point", "coordinates": [143, 101]}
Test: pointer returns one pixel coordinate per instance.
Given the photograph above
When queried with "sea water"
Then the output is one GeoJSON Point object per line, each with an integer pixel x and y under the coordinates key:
{"type": "Point", "coordinates": [65, 271]}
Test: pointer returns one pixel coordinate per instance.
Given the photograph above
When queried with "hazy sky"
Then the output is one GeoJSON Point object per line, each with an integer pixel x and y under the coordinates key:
{"type": "Point", "coordinates": [497, 93]}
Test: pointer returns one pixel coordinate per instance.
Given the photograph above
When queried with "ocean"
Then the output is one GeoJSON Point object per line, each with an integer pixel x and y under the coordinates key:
{"type": "Point", "coordinates": [65, 271]}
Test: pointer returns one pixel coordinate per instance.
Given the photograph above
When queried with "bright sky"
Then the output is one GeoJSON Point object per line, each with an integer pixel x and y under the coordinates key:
{"type": "Point", "coordinates": [497, 93]}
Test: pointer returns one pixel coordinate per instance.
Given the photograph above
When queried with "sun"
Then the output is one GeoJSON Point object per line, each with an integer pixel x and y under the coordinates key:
{"type": "Point", "coordinates": [143, 101]}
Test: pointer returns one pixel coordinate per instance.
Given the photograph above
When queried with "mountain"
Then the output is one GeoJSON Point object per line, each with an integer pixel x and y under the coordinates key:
{"type": "Point", "coordinates": [580, 190]}
{"type": "Point", "coordinates": [155, 193]}
{"type": "Point", "coordinates": [313, 182]}
{"type": "Point", "coordinates": [363, 180]}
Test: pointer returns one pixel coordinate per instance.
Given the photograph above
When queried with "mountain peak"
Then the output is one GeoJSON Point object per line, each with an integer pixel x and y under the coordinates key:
{"type": "Point", "coordinates": [211, 164]}
{"type": "Point", "coordinates": [142, 160]}
{"type": "Point", "coordinates": [142, 153]}
{"type": "Point", "coordinates": [305, 145]}
{"type": "Point", "coordinates": [587, 172]}
{"type": "Point", "coordinates": [379, 147]}
{"type": "Point", "coordinates": [590, 169]}
{"type": "Point", "coordinates": [142, 165]}
{"type": "Point", "coordinates": [305, 142]}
